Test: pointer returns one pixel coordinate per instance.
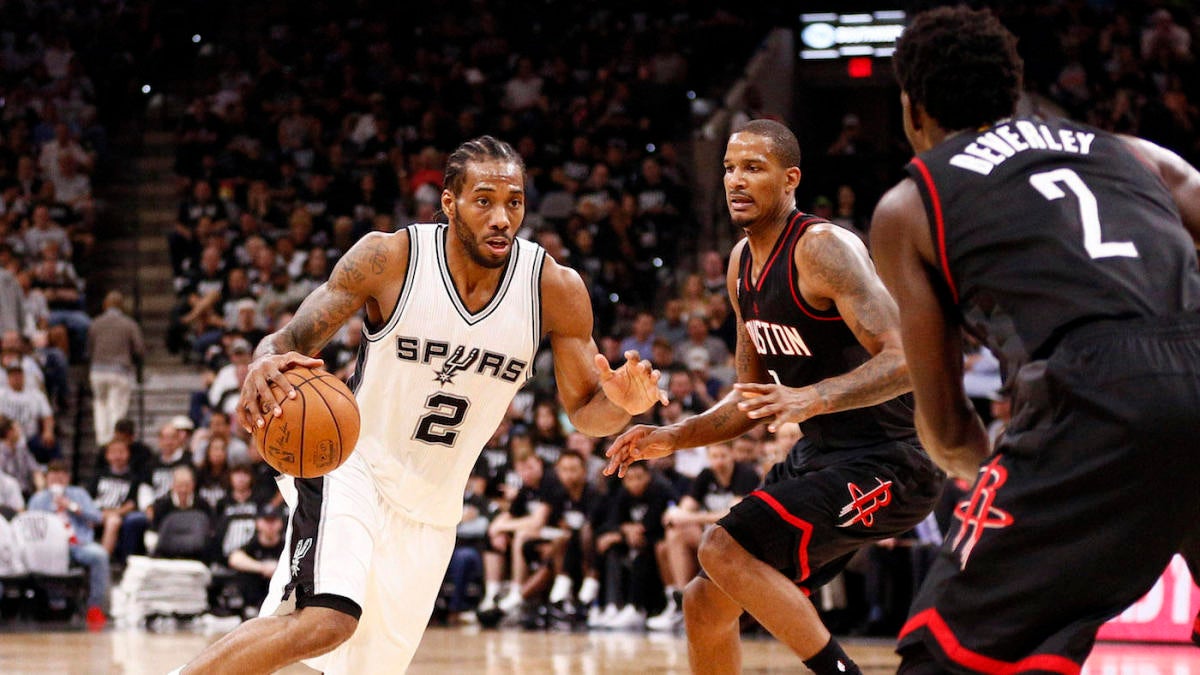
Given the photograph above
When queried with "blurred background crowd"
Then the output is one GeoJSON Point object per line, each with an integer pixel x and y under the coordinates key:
{"type": "Point", "coordinates": [297, 131]}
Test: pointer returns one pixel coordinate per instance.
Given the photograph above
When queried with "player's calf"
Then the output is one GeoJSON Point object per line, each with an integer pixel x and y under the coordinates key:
{"type": "Point", "coordinates": [268, 643]}
{"type": "Point", "coordinates": [711, 620]}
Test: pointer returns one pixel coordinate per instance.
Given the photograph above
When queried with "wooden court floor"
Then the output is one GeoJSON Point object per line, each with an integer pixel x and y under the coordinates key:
{"type": "Point", "coordinates": [508, 652]}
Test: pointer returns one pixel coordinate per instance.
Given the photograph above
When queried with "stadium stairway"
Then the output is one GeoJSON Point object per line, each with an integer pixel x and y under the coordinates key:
{"type": "Point", "coordinates": [134, 259]}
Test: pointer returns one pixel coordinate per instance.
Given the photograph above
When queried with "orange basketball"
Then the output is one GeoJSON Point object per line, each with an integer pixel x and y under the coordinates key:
{"type": "Point", "coordinates": [317, 430]}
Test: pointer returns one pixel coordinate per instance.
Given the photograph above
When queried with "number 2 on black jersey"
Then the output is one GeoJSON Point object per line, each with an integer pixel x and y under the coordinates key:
{"type": "Point", "coordinates": [1089, 212]}
{"type": "Point", "coordinates": [446, 411]}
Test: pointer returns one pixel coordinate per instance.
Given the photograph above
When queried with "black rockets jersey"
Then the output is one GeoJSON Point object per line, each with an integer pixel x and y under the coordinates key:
{"type": "Point", "coordinates": [1043, 225]}
{"type": "Point", "coordinates": [800, 345]}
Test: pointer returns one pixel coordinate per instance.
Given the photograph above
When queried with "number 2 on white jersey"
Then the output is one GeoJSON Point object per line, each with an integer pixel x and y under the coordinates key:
{"type": "Point", "coordinates": [1089, 213]}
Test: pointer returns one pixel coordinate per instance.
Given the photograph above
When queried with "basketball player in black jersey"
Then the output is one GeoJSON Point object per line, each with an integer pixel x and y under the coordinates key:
{"type": "Point", "coordinates": [1071, 253]}
{"type": "Point", "coordinates": [818, 343]}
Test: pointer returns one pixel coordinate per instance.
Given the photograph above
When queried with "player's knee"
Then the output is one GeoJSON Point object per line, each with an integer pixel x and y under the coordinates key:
{"type": "Point", "coordinates": [695, 598]}
{"type": "Point", "coordinates": [322, 629]}
{"type": "Point", "coordinates": [718, 551]}
{"type": "Point", "coordinates": [703, 606]}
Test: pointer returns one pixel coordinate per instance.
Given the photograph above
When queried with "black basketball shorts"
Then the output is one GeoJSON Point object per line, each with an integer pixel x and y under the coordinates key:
{"type": "Point", "coordinates": [1091, 491]}
{"type": "Point", "coordinates": [808, 519]}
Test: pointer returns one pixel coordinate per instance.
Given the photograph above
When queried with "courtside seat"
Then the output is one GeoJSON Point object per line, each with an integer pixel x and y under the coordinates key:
{"type": "Point", "coordinates": [56, 589]}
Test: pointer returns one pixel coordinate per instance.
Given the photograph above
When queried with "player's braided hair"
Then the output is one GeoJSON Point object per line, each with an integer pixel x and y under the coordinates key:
{"type": "Point", "coordinates": [783, 141]}
{"type": "Point", "coordinates": [479, 149]}
{"type": "Point", "coordinates": [961, 65]}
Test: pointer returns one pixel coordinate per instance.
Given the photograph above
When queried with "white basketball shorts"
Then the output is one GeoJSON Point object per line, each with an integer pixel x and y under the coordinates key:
{"type": "Point", "coordinates": [349, 550]}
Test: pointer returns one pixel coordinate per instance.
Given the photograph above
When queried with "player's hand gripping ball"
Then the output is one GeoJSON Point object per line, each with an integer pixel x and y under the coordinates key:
{"type": "Point", "coordinates": [317, 430]}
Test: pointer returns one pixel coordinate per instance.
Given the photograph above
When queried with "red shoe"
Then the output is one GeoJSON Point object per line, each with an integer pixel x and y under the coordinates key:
{"type": "Point", "coordinates": [96, 618]}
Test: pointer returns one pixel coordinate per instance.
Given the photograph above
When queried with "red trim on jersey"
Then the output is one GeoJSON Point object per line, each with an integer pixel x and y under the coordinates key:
{"type": "Point", "coordinates": [792, 278]}
{"type": "Point", "coordinates": [936, 201]}
{"type": "Point", "coordinates": [955, 651]}
{"type": "Point", "coordinates": [804, 526]}
{"type": "Point", "coordinates": [782, 237]}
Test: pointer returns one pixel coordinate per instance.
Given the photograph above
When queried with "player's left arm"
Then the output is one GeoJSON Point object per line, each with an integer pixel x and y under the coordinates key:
{"type": "Point", "coordinates": [598, 400]}
{"type": "Point", "coordinates": [833, 267]}
{"type": "Point", "coordinates": [950, 429]}
{"type": "Point", "coordinates": [1181, 178]}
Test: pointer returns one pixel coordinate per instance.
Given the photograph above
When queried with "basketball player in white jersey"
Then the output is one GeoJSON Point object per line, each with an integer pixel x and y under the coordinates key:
{"type": "Point", "coordinates": [454, 314]}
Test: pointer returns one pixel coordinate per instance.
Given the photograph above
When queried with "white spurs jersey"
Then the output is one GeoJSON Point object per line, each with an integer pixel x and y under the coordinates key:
{"type": "Point", "coordinates": [434, 383]}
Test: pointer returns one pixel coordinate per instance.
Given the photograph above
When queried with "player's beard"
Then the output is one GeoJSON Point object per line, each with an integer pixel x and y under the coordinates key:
{"type": "Point", "coordinates": [472, 247]}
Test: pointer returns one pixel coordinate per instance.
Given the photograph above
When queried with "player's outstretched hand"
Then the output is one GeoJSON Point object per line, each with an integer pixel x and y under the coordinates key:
{"type": "Point", "coordinates": [778, 403]}
{"type": "Point", "coordinates": [638, 442]}
{"type": "Point", "coordinates": [258, 399]}
{"type": "Point", "coordinates": [633, 386]}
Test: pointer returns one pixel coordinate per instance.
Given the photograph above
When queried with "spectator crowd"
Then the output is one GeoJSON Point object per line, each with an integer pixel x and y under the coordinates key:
{"type": "Point", "coordinates": [318, 128]}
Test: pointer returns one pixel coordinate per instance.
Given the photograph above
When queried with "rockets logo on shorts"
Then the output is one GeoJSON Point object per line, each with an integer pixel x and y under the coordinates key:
{"type": "Point", "coordinates": [302, 547]}
{"type": "Point", "coordinates": [865, 504]}
{"type": "Point", "coordinates": [979, 512]}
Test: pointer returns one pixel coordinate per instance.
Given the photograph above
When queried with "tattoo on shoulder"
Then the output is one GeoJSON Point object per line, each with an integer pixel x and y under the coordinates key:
{"type": "Point", "coordinates": [351, 268]}
{"type": "Point", "coordinates": [834, 264]}
{"type": "Point", "coordinates": [378, 257]}
{"type": "Point", "coordinates": [356, 264]}
{"type": "Point", "coordinates": [842, 273]}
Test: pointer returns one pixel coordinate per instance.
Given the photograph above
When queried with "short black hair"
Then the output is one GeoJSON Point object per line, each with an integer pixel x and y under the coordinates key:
{"type": "Point", "coordinates": [960, 65]}
{"type": "Point", "coordinates": [570, 454]}
{"type": "Point", "coordinates": [480, 149]}
{"type": "Point", "coordinates": [783, 141]}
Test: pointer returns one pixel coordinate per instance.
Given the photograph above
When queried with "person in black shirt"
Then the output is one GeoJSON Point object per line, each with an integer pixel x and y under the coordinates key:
{"type": "Point", "coordinates": [235, 514]}
{"type": "Point", "coordinates": [493, 465]}
{"type": "Point", "coordinates": [140, 454]}
{"type": "Point", "coordinates": [266, 490]}
{"type": "Point", "coordinates": [633, 529]}
{"type": "Point", "coordinates": [717, 488]}
{"type": "Point", "coordinates": [115, 491]}
{"type": "Point", "coordinates": [571, 507]}
{"type": "Point", "coordinates": [172, 454]}
{"type": "Point", "coordinates": [212, 476]}
{"type": "Point", "coordinates": [1071, 254]}
{"type": "Point", "coordinates": [818, 344]}
{"type": "Point", "coordinates": [511, 530]}
{"type": "Point", "coordinates": [181, 497]}
{"type": "Point", "coordinates": [255, 562]}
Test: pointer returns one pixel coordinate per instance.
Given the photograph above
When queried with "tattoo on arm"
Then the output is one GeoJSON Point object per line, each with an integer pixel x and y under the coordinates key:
{"type": "Point", "coordinates": [880, 379]}
{"type": "Point", "coordinates": [721, 417]}
{"type": "Point", "coordinates": [313, 326]}
{"type": "Point", "coordinates": [846, 276]}
{"type": "Point", "coordinates": [724, 421]}
{"type": "Point", "coordinates": [744, 360]}
{"type": "Point", "coordinates": [329, 306]}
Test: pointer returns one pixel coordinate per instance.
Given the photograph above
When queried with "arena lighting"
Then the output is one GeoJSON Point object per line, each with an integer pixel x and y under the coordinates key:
{"type": "Point", "coordinates": [830, 35]}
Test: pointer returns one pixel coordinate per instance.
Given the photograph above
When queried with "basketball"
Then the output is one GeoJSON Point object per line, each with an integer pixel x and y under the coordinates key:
{"type": "Point", "coordinates": [317, 430]}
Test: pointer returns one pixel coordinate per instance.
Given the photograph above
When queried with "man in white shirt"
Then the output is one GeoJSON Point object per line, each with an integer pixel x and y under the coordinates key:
{"type": "Point", "coordinates": [30, 409]}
